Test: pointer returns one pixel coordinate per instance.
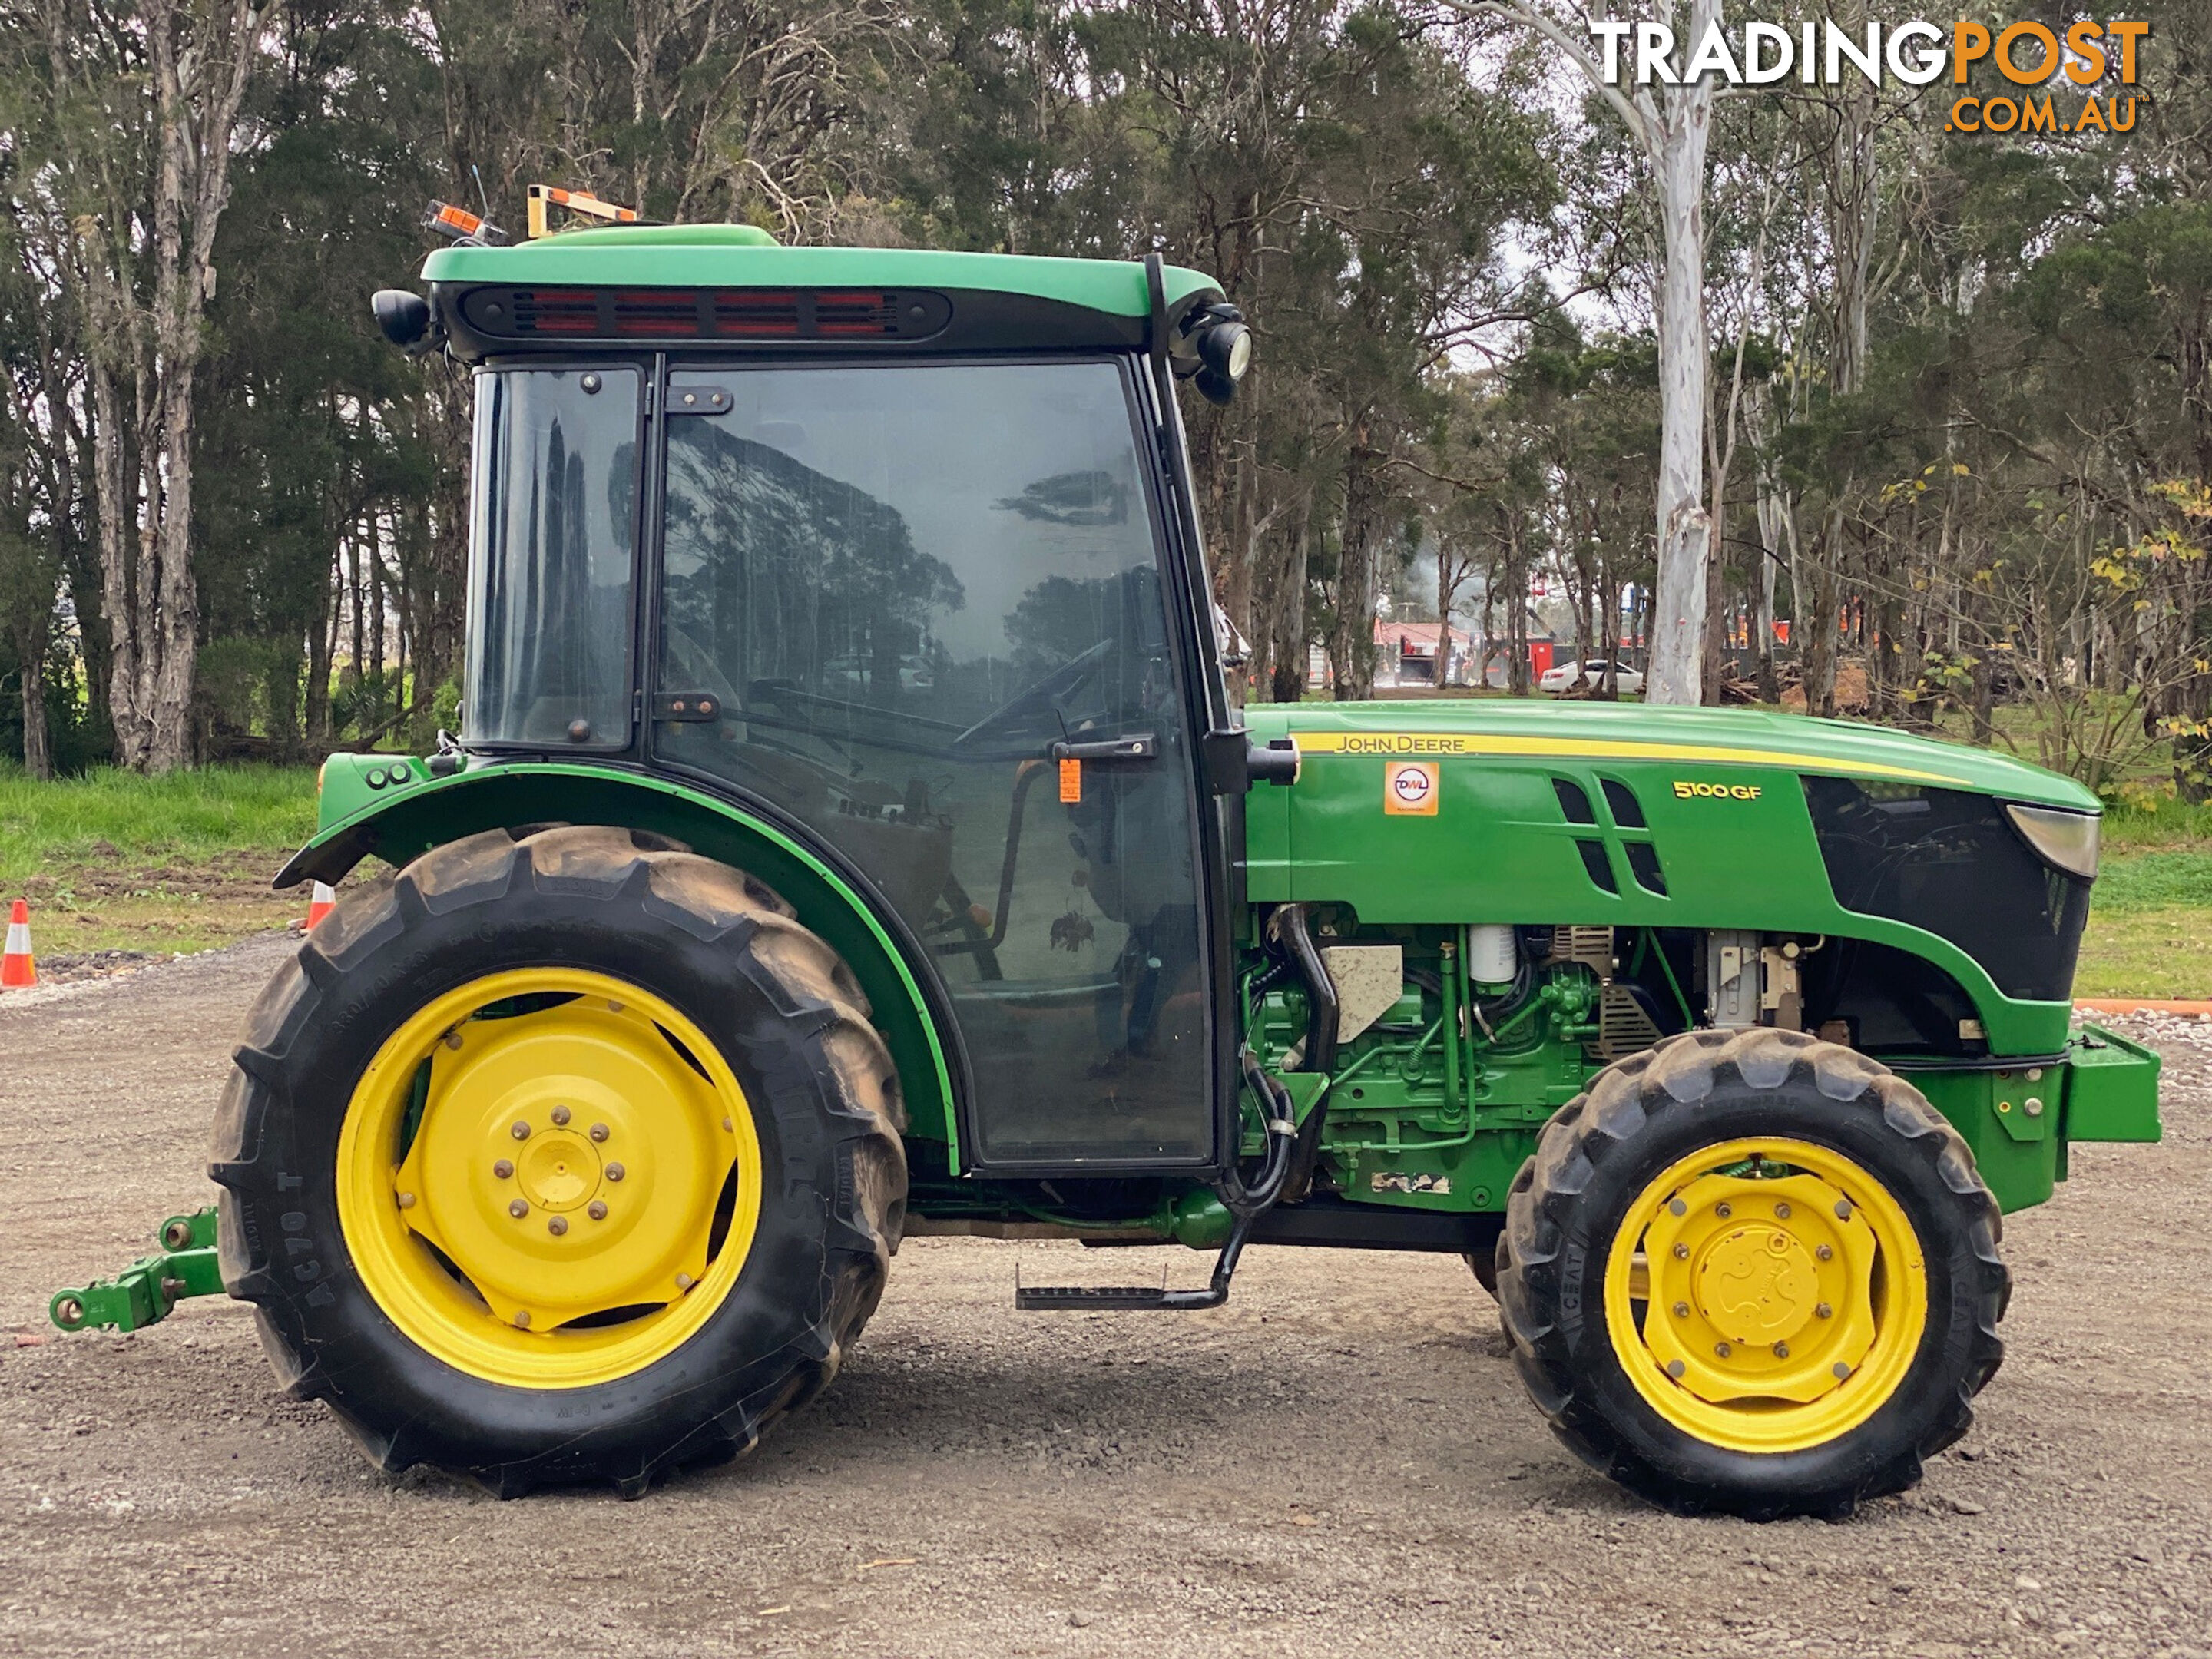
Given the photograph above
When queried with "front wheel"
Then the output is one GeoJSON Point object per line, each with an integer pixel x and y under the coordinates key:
{"type": "Point", "coordinates": [1754, 1273]}
{"type": "Point", "coordinates": [569, 1158]}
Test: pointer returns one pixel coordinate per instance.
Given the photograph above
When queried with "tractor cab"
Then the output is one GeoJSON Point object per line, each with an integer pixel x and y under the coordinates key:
{"type": "Point", "coordinates": [896, 547]}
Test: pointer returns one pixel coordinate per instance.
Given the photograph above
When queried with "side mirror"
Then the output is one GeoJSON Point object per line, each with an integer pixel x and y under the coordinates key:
{"type": "Point", "coordinates": [404, 319]}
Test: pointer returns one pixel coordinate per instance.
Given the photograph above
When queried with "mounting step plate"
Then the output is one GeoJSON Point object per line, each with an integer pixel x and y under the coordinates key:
{"type": "Point", "coordinates": [1036, 1299]}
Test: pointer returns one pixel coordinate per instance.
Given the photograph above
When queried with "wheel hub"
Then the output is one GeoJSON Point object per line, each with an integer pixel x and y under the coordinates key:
{"type": "Point", "coordinates": [1761, 1279]}
{"type": "Point", "coordinates": [558, 1170]}
{"type": "Point", "coordinates": [569, 1162]}
{"type": "Point", "coordinates": [1757, 1284]}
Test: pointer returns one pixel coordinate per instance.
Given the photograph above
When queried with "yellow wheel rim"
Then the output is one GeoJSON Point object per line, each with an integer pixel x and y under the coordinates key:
{"type": "Point", "coordinates": [1766, 1295]}
{"type": "Point", "coordinates": [548, 1178]}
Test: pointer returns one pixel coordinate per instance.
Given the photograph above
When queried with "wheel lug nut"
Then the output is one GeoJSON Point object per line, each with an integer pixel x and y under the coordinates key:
{"type": "Point", "coordinates": [1782, 1351]}
{"type": "Point", "coordinates": [1781, 1213]}
{"type": "Point", "coordinates": [560, 1114]}
{"type": "Point", "coordinates": [1681, 1310]}
{"type": "Point", "coordinates": [728, 1127]}
{"type": "Point", "coordinates": [1843, 1209]}
{"type": "Point", "coordinates": [406, 1200]}
{"type": "Point", "coordinates": [598, 1211]}
{"type": "Point", "coordinates": [1824, 1311]}
{"type": "Point", "coordinates": [1723, 1210]}
{"type": "Point", "coordinates": [1681, 1253]}
{"type": "Point", "coordinates": [616, 1172]}
{"type": "Point", "coordinates": [1841, 1370]}
{"type": "Point", "coordinates": [522, 1320]}
{"type": "Point", "coordinates": [503, 1168]}
{"type": "Point", "coordinates": [518, 1209]}
{"type": "Point", "coordinates": [1825, 1253]}
{"type": "Point", "coordinates": [520, 1132]}
{"type": "Point", "coordinates": [1675, 1207]}
{"type": "Point", "coordinates": [1676, 1368]}
{"type": "Point", "coordinates": [684, 1281]}
{"type": "Point", "coordinates": [599, 1131]}
{"type": "Point", "coordinates": [1723, 1350]}
{"type": "Point", "coordinates": [557, 1226]}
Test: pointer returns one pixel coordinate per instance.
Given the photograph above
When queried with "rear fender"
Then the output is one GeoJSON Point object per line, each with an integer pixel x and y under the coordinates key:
{"type": "Point", "coordinates": [394, 809]}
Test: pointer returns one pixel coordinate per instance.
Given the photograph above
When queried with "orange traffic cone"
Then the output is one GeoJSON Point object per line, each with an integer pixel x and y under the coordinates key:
{"type": "Point", "coordinates": [322, 903]}
{"type": "Point", "coordinates": [17, 968]}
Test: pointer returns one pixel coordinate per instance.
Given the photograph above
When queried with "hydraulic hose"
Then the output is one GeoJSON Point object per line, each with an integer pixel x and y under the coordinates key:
{"type": "Point", "coordinates": [1323, 1015]}
{"type": "Point", "coordinates": [1242, 1201]}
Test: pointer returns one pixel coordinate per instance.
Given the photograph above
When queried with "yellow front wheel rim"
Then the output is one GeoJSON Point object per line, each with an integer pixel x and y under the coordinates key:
{"type": "Point", "coordinates": [548, 1178]}
{"type": "Point", "coordinates": [1766, 1295]}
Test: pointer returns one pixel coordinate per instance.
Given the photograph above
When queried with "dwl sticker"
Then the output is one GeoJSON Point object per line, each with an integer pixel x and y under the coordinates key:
{"type": "Point", "coordinates": [1410, 786]}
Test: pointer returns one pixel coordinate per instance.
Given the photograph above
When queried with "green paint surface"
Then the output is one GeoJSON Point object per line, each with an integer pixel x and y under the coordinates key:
{"type": "Point", "coordinates": [709, 256]}
{"type": "Point", "coordinates": [416, 812]}
{"type": "Point", "coordinates": [1739, 853]}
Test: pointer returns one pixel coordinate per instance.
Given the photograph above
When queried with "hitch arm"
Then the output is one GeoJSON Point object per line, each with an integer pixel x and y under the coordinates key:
{"type": "Point", "coordinates": [144, 1292]}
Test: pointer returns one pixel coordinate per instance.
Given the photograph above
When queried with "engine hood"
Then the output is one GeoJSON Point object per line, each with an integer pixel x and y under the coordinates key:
{"type": "Point", "coordinates": [1521, 729]}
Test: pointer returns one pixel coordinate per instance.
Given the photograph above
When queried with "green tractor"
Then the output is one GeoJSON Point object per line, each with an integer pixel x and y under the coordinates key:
{"type": "Point", "coordinates": [851, 838]}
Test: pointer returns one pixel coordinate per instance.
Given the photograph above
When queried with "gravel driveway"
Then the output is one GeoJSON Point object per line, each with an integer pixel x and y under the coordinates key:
{"type": "Point", "coordinates": [1339, 1461]}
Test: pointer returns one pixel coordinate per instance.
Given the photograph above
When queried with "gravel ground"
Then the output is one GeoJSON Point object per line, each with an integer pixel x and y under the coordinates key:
{"type": "Point", "coordinates": [1340, 1461]}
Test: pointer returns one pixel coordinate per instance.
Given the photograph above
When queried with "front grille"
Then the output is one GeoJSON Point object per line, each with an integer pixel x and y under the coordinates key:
{"type": "Point", "coordinates": [1951, 862]}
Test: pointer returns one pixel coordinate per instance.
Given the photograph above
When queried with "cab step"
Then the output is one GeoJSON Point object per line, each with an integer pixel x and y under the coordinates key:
{"type": "Point", "coordinates": [1131, 1298]}
{"type": "Point", "coordinates": [1036, 1299]}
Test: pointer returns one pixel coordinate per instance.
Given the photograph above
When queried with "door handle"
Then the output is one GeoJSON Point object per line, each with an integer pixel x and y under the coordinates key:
{"type": "Point", "coordinates": [1137, 746]}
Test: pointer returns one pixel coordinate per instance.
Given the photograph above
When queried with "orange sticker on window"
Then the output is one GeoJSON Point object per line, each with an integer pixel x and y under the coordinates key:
{"type": "Point", "coordinates": [1409, 788]}
{"type": "Point", "coordinates": [1071, 781]}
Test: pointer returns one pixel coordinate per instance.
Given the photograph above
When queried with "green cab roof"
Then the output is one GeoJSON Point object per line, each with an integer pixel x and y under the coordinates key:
{"type": "Point", "coordinates": [743, 256]}
{"type": "Point", "coordinates": [1504, 726]}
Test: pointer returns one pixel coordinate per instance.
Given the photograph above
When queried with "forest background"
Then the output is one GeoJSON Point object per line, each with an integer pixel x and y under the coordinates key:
{"type": "Point", "coordinates": [1957, 390]}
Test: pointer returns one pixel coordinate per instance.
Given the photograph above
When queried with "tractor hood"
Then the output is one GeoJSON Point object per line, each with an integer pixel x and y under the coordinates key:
{"type": "Point", "coordinates": [1539, 813]}
{"type": "Point", "coordinates": [1497, 728]}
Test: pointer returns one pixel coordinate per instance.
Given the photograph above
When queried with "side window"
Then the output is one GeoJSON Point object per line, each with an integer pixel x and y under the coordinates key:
{"type": "Point", "coordinates": [552, 553]}
{"type": "Point", "coordinates": [895, 588]}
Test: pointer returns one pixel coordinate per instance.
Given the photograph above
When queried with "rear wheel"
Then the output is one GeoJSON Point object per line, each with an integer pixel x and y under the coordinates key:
{"type": "Point", "coordinates": [569, 1158]}
{"type": "Point", "coordinates": [1755, 1273]}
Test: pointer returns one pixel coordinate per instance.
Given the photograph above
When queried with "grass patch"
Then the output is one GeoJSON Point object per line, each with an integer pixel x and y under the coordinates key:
{"type": "Point", "coordinates": [2163, 953]}
{"type": "Point", "coordinates": [2150, 913]}
{"type": "Point", "coordinates": [185, 817]}
{"type": "Point", "coordinates": [112, 861]}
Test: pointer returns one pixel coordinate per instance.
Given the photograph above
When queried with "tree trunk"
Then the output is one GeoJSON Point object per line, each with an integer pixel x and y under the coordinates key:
{"type": "Point", "coordinates": [31, 631]}
{"type": "Point", "coordinates": [1762, 619]}
{"type": "Point", "coordinates": [1517, 613]}
{"type": "Point", "coordinates": [1351, 637]}
{"type": "Point", "coordinates": [1685, 529]}
{"type": "Point", "coordinates": [198, 64]}
{"type": "Point", "coordinates": [1286, 641]}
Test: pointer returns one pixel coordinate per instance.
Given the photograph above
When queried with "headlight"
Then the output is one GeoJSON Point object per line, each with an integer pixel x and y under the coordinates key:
{"type": "Point", "coordinates": [2066, 841]}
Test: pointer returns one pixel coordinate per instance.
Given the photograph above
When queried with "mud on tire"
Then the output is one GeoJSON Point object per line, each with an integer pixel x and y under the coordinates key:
{"type": "Point", "coordinates": [782, 1008]}
{"type": "Point", "coordinates": [1700, 1089]}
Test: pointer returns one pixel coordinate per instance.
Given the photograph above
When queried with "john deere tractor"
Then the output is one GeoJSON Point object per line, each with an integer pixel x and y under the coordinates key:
{"type": "Point", "coordinates": [851, 838]}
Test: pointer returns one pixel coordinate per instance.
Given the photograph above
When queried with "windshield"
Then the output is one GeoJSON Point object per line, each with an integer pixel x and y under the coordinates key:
{"type": "Point", "coordinates": [552, 549]}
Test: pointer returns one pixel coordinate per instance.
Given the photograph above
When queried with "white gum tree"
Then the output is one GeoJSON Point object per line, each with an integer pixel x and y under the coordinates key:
{"type": "Point", "coordinates": [1671, 123]}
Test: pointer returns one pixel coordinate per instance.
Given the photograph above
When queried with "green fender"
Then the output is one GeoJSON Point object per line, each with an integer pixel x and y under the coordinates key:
{"type": "Point", "coordinates": [396, 810]}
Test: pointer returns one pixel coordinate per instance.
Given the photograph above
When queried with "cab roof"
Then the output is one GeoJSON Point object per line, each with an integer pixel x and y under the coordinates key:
{"type": "Point", "coordinates": [743, 257]}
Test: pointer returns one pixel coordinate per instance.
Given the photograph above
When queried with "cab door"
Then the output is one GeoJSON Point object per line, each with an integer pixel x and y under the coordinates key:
{"type": "Point", "coordinates": [919, 607]}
